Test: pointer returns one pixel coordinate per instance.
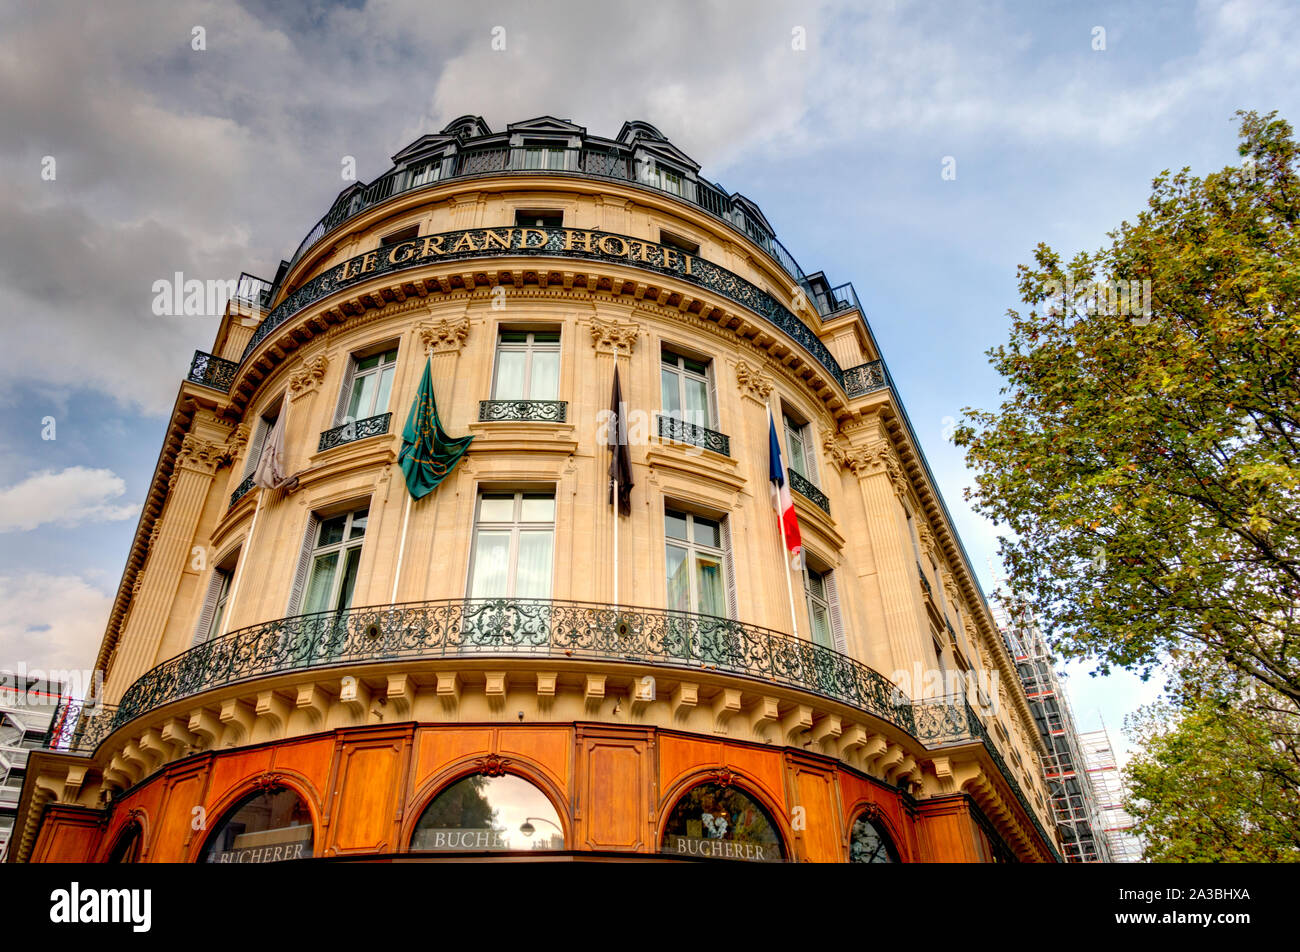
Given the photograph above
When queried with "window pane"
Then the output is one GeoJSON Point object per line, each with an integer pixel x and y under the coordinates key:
{"type": "Point", "coordinates": [708, 573]}
{"type": "Point", "coordinates": [215, 628]}
{"type": "Point", "coordinates": [385, 389]}
{"type": "Point", "coordinates": [697, 402]}
{"type": "Point", "coordinates": [675, 525]}
{"type": "Point", "coordinates": [349, 578]}
{"type": "Point", "coordinates": [514, 337]}
{"type": "Point", "coordinates": [708, 532]}
{"type": "Point", "coordinates": [359, 520]}
{"type": "Point", "coordinates": [497, 508]}
{"type": "Point", "coordinates": [367, 363]}
{"type": "Point", "coordinates": [672, 400]}
{"type": "Point", "coordinates": [816, 583]}
{"type": "Point", "coordinates": [510, 375]}
{"type": "Point", "coordinates": [695, 366]}
{"type": "Point", "coordinates": [679, 583]}
{"type": "Point", "coordinates": [363, 397]}
{"type": "Point", "coordinates": [821, 626]}
{"type": "Point", "coordinates": [668, 357]}
{"type": "Point", "coordinates": [546, 337]}
{"type": "Point", "coordinates": [545, 382]}
{"type": "Point", "coordinates": [533, 569]}
{"type": "Point", "coordinates": [491, 561]}
{"type": "Point", "coordinates": [320, 583]}
{"type": "Point", "coordinates": [331, 531]}
{"type": "Point", "coordinates": [537, 507]}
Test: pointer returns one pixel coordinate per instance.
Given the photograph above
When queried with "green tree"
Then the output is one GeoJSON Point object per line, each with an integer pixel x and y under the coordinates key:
{"type": "Point", "coordinates": [1217, 776]}
{"type": "Point", "coordinates": [1146, 463]}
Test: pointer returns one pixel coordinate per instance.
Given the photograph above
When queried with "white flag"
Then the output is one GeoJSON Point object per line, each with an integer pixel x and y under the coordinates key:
{"type": "Point", "coordinates": [270, 465]}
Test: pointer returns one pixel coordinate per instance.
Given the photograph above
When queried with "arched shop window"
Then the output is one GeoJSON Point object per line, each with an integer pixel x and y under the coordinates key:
{"type": "Point", "coordinates": [868, 843]}
{"type": "Point", "coordinates": [265, 827]}
{"type": "Point", "coordinates": [128, 845]}
{"type": "Point", "coordinates": [482, 813]}
{"type": "Point", "coordinates": [722, 821]}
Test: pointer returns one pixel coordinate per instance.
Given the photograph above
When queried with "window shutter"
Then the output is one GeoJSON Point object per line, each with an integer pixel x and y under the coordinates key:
{"type": "Point", "coordinates": [304, 564]}
{"type": "Point", "coordinates": [728, 566]}
{"type": "Point", "coordinates": [203, 628]}
{"type": "Point", "coordinates": [345, 391]}
{"type": "Point", "coordinates": [810, 457]}
{"type": "Point", "coordinates": [255, 448]}
{"type": "Point", "coordinates": [837, 619]}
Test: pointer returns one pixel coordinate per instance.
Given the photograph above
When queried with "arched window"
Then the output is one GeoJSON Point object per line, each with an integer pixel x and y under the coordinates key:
{"type": "Point", "coordinates": [723, 821]}
{"type": "Point", "coordinates": [484, 813]}
{"type": "Point", "coordinates": [264, 827]}
{"type": "Point", "coordinates": [868, 843]}
{"type": "Point", "coordinates": [128, 845]}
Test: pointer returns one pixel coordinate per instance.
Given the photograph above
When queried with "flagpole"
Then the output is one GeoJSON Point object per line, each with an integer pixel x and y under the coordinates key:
{"type": "Point", "coordinates": [614, 495]}
{"type": "Point", "coordinates": [406, 514]}
{"type": "Point", "coordinates": [780, 534]}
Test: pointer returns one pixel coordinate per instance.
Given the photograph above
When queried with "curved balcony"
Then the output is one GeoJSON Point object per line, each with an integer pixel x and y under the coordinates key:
{"type": "Point", "coordinates": [528, 628]}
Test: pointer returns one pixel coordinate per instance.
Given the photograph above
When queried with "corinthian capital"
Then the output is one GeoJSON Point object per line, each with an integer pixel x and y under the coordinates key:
{"type": "Point", "coordinates": [614, 337]}
{"type": "Point", "coordinates": [753, 383]}
{"type": "Point", "coordinates": [200, 455]}
{"type": "Point", "coordinates": [446, 335]}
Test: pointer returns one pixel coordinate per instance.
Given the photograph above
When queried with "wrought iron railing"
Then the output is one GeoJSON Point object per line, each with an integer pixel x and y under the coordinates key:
{"type": "Point", "coordinates": [212, 371]}
{"type": "Point", "coordinates": [530, 411]}
{"type": "Point", "coordinates": [598, 161]}
{"type": "Point", "coordinates": [253, 290]}
{"type": "Point", "coordinates": [866, 378]}
{"type": "Point", "coordinates": [242, 489]}
{"type": "Point", "coordinates": [516, 627]}
{"type": "Point", "coordinates": [78, 726]}
{"type": "Point", "coordinates": [354, 430]}
{"type": "Point", "coordinates": [675, 428]}
{"type": "Point", "coordinates": [810, 492]}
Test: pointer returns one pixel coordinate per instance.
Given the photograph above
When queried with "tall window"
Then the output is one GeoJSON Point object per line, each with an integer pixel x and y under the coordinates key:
{"type": "Point", "coordinates": [696, 556]}
{"type": "Point", "coordinates": [367, 387]}
{"type": "Point", "coordinates": [819, 606]}
{"type": "Point", "coordinates": [799, 447]}
{"type": "Point", "coordinates": [334, 560]}
{"type": "Point", "coordinates": [514, 541]}
{"type": "Point", "coordinates": [261, 431]}
{"type": "Point", "coordinates": [527, 365]}
{"type": "Point", "coordinates": [659, 177]}
{"type": "Point", "coordinates": [214, 605]}
{"type": "Point", "coordinates": [686, 388]}
{"type": "Point", "coordinates": [430, 171]}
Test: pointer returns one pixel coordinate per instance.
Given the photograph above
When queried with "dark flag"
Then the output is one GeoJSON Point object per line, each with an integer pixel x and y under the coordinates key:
{"type": "Point", "coordinates": [428, 453]}
{"type": "Point", "coordinates": [620, 463]}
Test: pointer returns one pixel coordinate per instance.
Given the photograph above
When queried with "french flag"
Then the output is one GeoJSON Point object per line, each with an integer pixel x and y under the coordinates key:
{"type": "Point", "coordinates": [781, 501]}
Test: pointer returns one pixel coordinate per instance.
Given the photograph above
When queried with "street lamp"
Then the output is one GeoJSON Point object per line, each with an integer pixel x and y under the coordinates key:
{"type": "Point", "coordinates": [528, 829]}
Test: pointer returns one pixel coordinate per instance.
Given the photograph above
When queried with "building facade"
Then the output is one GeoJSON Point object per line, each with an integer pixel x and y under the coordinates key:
{"type": "Point", "coordinates": [27, 705]}
{"type": "Point", "coordinates": [330, 670]}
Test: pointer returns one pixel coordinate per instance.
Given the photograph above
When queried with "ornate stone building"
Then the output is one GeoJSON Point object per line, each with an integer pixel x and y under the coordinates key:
{"type": "Point", "coordinates": [321, 671]}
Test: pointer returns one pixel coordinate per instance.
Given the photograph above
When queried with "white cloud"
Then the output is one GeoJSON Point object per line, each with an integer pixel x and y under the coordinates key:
{"type": "Point", "coordinates": [67, 497]}
{"type": "Point", "coordinates": [50, 622]}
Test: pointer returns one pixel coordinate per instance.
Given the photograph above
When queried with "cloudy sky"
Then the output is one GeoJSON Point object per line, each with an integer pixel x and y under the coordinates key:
{"type": "Point", "coordinates": [213, 161]}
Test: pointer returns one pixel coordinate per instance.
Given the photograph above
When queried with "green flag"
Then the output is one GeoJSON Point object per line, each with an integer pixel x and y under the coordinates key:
{"type": "Point", "coordinates": [428, 453]}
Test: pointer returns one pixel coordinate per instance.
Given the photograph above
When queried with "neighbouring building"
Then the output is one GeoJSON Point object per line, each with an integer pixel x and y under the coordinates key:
{"type": "Point", "coordinates": [1074, 801]}
{"type": "Point", "coordinates": [328, 669]}
{"type": "Point", "coordinates": [27, 705]}
{"type": "Point", "coordinates": [1115, 822]}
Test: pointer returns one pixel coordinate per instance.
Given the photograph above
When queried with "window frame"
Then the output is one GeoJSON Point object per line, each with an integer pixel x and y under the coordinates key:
{"type": "Point", "coordinates": [353, 374]}
{"type": "Point", "coordinates": [344, 547]}
{"type": "Point", "coordinates": [529, 348]}
{"type": "Point", "coordinates": [515, 527]}
{"type": "Point", "coordinates": [794, 431]}
{"type": "Point", "coordinates": [693, 548]}
{"type": "Point", "coordinates": [682, 373]}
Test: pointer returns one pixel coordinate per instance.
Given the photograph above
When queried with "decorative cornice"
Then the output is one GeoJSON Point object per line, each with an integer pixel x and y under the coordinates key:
{"type": "Point", "coordinates": [614, 337]}
{"type": "Point", "coordinates": [308, 376]}
{"type": "Point", "coordinates": [446, 335]}
{"type": "Point", "coordinates": [753, 383]}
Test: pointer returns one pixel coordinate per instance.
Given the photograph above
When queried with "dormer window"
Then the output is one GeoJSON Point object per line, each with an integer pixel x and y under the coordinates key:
{"type": "Point", "coordinates": [544, 157]}
{"type": "Point", "coordinates": [426, 172]}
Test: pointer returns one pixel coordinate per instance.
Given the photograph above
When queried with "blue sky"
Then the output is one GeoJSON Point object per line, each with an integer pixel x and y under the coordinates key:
{"type": "Point", "coordinates": [219, 160]}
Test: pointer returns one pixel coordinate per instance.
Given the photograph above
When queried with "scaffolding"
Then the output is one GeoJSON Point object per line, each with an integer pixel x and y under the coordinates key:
{"type": "Point", "coordinates": [1075, 804]}
{"type": "Point", "coordinates": [1116, 825]}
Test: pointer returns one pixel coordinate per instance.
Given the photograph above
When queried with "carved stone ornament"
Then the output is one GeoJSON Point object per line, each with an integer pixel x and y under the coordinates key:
{"type": "Point", "coordinates": [723, 777]}
{"type": "Point", "coordinates": [753, 383]}
{"type": "Point", "coordinates": [200, 455]}
{"type": "Point", "coordinates": [308, 376]}
{"type": "Point", "coordinates": [836, 451]}
{"type": "Point", "coordinates": [614, 337]}
{"type": "Point", "coordinates": [238, 440]}
{"type": "Point", "coordinates": [446, 335]}
{"type": "Point", "coordinates": [268, 782]}
{"type": "Point", "coordinates": [928, 545]}
{"type": "Point", "coordinates": [492, 765]}
{"type": "Point", "coordinates": [880, 458]}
